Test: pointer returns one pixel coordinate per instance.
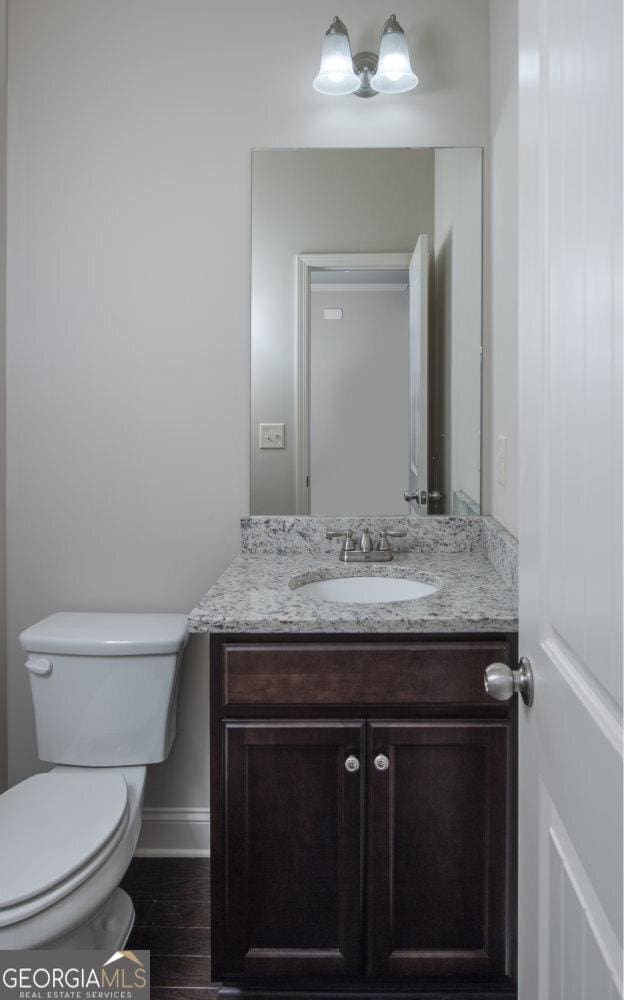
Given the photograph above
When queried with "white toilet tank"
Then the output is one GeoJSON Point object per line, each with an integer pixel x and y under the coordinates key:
{"type": "Point", "coordinates": [105, 686]}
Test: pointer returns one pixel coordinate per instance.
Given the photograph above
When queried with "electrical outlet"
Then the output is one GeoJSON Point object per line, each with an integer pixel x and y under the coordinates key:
{"type": "Point", "coordinates": [501, 460]}
{"type": "Point", "coordinates": [272, 436]}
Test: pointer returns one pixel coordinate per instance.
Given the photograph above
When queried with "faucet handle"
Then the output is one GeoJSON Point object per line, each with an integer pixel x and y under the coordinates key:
{"type": "Point", "coordinates": [348, 545]}
{"type": "Point", "coordinates": [385, 535]}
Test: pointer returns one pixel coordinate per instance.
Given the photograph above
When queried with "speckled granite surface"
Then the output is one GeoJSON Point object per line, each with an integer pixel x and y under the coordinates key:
{"type": "Point", "coordinates": [254, 595]}
{"type": "Point", "coordinates": [292, 534]}
{"type": "Point", "coordinates": [500, 548]}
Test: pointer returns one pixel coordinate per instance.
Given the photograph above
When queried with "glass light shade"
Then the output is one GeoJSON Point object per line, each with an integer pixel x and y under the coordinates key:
{"type": "Point", "coordinates": [336, 74]}
{"type": "Point", "coordinates": [394, 72]}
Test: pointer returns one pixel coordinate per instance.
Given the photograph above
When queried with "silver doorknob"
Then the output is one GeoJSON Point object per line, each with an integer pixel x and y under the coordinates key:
{"type": "Point", "coordinates": [381, 762]}
{"type": "Point", "coordinates": [422, 497]}
{"type": "Point", "coordinates": [352, 764]}
{"type": "Point", "coordinates": [501, 682]}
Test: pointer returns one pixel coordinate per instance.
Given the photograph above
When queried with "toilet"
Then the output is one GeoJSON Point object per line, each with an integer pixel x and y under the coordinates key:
{"type": "Point", "coordinates": [104, 689]}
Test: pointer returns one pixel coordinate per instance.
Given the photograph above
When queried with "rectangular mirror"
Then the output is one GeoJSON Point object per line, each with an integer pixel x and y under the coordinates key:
{"type": "Point", "coordinates": [366, 331]}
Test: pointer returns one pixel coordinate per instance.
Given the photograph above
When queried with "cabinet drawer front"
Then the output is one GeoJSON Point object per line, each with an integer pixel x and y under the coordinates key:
{"type": "Point", "coordinates": [380, 674]}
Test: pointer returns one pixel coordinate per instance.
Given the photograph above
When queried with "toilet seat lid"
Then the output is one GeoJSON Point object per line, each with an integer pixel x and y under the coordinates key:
{"type": "Point", "coordinates": [52, 824]}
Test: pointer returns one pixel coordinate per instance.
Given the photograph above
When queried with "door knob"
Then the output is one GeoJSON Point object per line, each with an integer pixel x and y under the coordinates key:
{"type": "Point", "coordinates": [381, 762]}
{"type": "Point", "coordinates": [352, 764]}
{"type": "Point", "coordinates": [501, 682]}
{"type": "Point", "coordinates": [422, 497]}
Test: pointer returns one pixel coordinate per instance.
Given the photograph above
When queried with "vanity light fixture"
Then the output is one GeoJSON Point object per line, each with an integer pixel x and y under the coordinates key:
{"type": "Point", "coordinates": [365, 74]}
{"type": "Point", "coordinates": [337, 74]}
{"type": "Point", "coordinates": [394, 72]}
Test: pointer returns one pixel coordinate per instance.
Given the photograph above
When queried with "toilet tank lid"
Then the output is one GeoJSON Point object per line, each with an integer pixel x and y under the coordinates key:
{"type": "Point", "coordinates": [99, 633]}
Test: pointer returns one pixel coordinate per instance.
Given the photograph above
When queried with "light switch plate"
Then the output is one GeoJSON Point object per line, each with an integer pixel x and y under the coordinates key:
{"type": "Point", "coordinates": [501, 460]}
{"type": "Point", "coordinates": [272, 436]}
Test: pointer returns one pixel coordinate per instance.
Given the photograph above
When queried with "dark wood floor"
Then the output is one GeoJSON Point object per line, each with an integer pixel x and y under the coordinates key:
{"type": "Point", "coordinates": [171, 897]}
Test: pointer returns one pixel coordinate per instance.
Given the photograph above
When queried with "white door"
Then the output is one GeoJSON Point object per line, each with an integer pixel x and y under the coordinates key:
{"type": "Point", "coordinates": [570, 753]}
{"type": "Point", "coordinates": [419, 373]}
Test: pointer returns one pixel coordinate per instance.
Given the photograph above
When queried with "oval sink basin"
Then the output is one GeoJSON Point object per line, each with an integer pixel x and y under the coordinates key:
{"type": "Point", "coordinates": [366, 589]}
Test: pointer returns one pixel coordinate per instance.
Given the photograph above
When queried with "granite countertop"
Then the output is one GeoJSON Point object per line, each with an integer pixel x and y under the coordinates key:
{"type": "Point", "coordinates": [254, 595]}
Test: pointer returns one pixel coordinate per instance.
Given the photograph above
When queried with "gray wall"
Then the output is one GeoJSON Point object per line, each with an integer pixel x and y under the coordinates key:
{"type": "Point", "coordinates": [502, 362]}
{"type": "Point", "coordinates": [458, 278]}
{"type": "Point", "coordinates": [315, 201]}
{"type": "Point", "coordinates": [359, 412]}
{"type": "Point", "coordinates": [128, 274]}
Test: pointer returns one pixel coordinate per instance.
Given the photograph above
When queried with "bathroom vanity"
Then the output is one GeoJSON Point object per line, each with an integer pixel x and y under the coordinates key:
{"type": "Point", "coordinates": [363, 781]}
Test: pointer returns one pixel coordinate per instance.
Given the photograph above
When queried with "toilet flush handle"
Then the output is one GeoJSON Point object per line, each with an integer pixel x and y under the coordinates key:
{"type": "Point", "coordinates": [39, 665]}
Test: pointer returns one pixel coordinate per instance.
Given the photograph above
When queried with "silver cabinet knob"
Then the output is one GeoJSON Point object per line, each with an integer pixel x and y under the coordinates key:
{"type": "Point", "coordinates": [352, 764]}
{"type": "Point", "coordinates": [381, 762]}
{"type": "Point", "coordinates": [501, 682]}
{"type": "Point", "coordinates": [408, 496]}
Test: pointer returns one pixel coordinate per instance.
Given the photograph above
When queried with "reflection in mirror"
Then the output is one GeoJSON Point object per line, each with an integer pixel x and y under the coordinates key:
{"type": "Point", "coordinates": [366, 331]}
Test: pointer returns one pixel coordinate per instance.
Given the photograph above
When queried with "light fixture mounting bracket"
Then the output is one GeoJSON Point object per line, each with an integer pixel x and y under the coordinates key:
{"type": "Point", "coordinates": [365, 64]}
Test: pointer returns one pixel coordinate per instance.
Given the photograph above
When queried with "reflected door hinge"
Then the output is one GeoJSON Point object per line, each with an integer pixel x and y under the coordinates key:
{"type": "Point", "coordinates": [307, 481]}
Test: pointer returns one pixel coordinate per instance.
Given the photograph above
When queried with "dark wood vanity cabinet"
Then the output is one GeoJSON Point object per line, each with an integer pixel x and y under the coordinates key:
{"type": "Point", "coordinates": [362, 814]}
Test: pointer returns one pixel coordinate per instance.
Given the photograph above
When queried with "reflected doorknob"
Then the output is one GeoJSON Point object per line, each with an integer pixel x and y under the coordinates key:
{"type": "Point", "coordinates": [501, 682]}
{"type": "Point", "coordinates": [422, 497]}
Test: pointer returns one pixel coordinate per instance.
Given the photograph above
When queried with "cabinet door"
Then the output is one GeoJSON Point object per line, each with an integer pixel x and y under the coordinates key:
{"type": "Point", "coordinates": [294, 832]}
{"type": "Point", "coordinates": [437, 849]}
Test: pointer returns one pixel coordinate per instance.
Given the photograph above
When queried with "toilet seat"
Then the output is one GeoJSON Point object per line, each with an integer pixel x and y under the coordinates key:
{"type": "Point", "coordinates": [82, 815]}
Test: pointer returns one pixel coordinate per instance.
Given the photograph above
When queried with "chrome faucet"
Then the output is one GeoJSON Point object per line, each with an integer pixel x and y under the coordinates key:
{"type": "Point", "coordinates": [366, 542]}
{"type": "Point", "coordinates": [365, 551]}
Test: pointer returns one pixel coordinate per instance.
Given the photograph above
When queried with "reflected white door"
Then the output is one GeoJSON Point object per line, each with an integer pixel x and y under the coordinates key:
{"type": "Point", "coordinates": [419, 368]}
{"type": "Point", "coordinates": [570, 211]}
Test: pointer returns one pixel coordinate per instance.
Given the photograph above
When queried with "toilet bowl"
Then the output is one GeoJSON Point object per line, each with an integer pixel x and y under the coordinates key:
{"type": "Point", "coordinates": [104, 688]}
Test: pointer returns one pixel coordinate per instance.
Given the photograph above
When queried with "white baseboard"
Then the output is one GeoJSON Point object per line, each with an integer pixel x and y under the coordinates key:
{"type": "Point", "coordinates": [174, 833]}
